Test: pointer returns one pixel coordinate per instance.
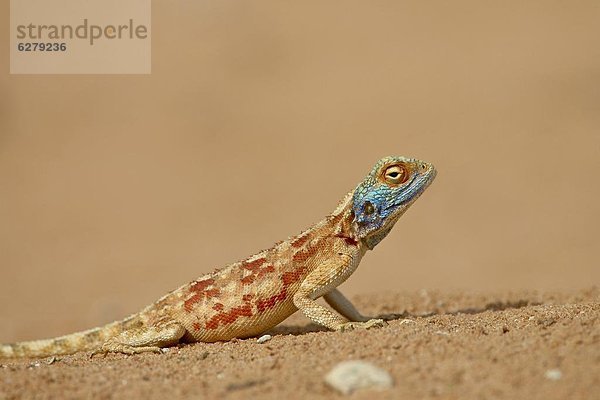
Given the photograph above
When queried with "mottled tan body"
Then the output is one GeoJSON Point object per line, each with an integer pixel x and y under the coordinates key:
{"type": "Point", "coordinates": [249, 297]}
{"type": "Point", "coordinates": [242, 300]}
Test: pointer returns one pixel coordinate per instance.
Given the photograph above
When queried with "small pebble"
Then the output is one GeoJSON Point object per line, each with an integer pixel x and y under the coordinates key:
{"type": "Point", "coordinates": [263, 339]}
{"type": "Point", "coordinates": [348, 376]}
{"type": "Point", "coordinates": [165, 349]}
{"type": "Point", "coordinates": [553, 374]}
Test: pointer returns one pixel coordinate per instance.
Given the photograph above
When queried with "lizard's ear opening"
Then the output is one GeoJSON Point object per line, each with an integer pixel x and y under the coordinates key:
{"type": "Point", "coordinates": [367, 216]}
{"type": "Point", "coordinates": [368, 208]}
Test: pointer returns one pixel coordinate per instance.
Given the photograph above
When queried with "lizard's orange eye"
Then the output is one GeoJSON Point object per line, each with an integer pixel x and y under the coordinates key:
{"type": "Point", "coordinates": [395, 174]}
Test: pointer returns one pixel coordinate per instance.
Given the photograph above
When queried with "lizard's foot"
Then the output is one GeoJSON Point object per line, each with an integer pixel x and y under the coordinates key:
{"type": "Point", "coordinates": [372, 323]}
{"type": "Point", "coordinates": [127, 349]}
{"type": "Point", "coordinates": [124, 349]}
{"type": "Point", "coordinates": [143, 340]}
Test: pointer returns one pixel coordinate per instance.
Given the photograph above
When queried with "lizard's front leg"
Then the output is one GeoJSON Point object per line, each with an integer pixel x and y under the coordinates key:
{"type": "Point", "coordinates": [323, 280]}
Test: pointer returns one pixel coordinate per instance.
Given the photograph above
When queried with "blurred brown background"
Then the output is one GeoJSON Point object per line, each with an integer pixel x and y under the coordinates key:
{"type": "Point", "coordinates": [258, 117]}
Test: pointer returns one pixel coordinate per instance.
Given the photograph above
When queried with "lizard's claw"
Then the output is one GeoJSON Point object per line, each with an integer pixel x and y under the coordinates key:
{"type": "Point", "coordinates": [372, 323]}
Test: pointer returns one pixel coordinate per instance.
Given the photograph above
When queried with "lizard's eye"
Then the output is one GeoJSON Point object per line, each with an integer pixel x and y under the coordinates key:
{"type": "Point", "coordinates": [395, 174]}
{"type": "Point", "coordinates": [369, 208]}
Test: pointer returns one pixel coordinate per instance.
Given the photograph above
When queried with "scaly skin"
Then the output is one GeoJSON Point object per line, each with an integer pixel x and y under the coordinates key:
{"type": "Point", "coordinates": [252, 296]}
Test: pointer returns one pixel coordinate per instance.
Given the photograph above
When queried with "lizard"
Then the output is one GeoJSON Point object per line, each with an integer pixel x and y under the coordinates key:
{"type": "Point", "coordinates": [249, 297]}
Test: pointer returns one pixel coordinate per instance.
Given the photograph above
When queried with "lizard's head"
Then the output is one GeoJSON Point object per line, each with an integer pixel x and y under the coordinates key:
{"type": "Point", "coordinates": [386, 193]}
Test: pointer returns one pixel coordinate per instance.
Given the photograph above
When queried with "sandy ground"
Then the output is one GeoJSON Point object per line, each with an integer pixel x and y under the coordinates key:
{"type": "Point", "coordinates": [522, 345]}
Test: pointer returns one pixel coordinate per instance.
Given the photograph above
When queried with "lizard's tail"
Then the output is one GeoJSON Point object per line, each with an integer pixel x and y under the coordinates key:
{"type": "Point", "coordinates": [81, 341]}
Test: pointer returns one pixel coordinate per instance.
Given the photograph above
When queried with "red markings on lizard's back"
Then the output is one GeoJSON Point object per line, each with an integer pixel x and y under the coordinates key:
{"type": "Point", "coordinates": [256, 270]}
{"type": "Point", "coordinates": [266, 270]}
{"type": "Point", "coordinates": [199, 286]}
{"type": "Point", "coordinates": [200, 290]}
{"type": "Point", "coordinates": [303, 255]}
{"type": "Point", "coordinates": [300, 240]}
{"type": "Point", "coordinates": [253, 265]}
{"type": "Point", "coordinates": [229, 317]}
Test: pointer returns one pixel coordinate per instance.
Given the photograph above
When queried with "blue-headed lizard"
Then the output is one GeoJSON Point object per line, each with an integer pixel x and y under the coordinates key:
{"type": "Point", "coordinates": [249, 297]}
